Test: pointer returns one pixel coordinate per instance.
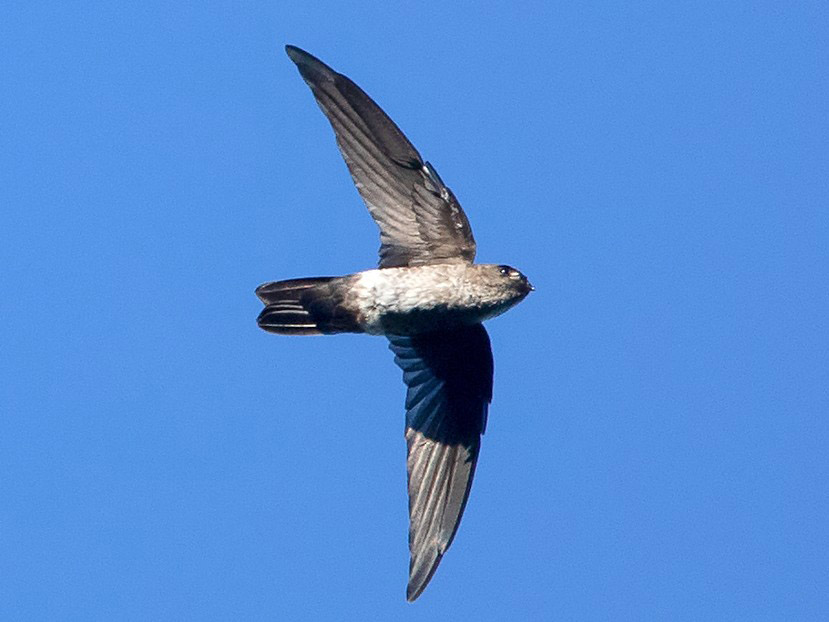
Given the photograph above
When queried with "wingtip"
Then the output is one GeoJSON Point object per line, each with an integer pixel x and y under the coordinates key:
{"type": "Point", "coordinates": [421, 571]}
{"type": "Point", "coordinates": [294, 53]}
{"type": "Point", "coordinates": [413, 591]}
{"type": "Point", "coordinates": [312, 69]}
{"type": "Point", "coordinates": [302, 59]}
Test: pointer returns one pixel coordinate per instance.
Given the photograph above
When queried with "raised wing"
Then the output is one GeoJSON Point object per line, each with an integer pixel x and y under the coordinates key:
{"type": "Point", "coordinates": [449, 379]}
{"type": "Point", "coordinates": [420, 220]}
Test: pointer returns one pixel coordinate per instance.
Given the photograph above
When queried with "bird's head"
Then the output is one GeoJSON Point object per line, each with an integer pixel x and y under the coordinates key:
{"type": "Point", "coordinates": [515, 280]}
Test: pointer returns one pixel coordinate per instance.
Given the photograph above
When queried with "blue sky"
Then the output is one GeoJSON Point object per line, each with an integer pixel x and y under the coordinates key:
{"type": "Point", "coordinates": [657, 443]}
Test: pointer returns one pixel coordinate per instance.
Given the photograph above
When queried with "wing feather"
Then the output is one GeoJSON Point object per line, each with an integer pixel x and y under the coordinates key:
{"type": "Point", "coordinates": [420, 219]}
{"type": "Point", "coordinates": [449, 380]}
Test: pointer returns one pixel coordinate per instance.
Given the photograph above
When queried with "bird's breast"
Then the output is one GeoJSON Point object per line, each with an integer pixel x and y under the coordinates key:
{"type": "Point", "coordinates": [420, 299]}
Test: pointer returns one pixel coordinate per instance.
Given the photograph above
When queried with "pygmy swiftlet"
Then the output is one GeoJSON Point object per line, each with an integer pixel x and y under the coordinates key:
{"type": "Point", "coordinates": [427, 297]}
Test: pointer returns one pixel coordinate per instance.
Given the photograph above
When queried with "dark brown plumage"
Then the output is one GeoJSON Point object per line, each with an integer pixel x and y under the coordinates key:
{"type": "Point", "coordinates": [428, 298]}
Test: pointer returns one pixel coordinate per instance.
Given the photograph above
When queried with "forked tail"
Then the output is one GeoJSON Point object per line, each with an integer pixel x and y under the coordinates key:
{"type": "Point", "coordinates": [312, 306]}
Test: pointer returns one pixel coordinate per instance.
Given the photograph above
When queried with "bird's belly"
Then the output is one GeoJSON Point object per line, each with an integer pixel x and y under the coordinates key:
{"type": "Point", "coordinates": [411, 301]}
{"type": "Point", "coordinates": [428, 318]}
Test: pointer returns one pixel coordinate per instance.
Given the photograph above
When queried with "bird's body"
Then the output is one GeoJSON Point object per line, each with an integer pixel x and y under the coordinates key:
{"type": "Point", "coordinates": [427, 297]}
{"type": "Point", "coordinates": [399, 301]}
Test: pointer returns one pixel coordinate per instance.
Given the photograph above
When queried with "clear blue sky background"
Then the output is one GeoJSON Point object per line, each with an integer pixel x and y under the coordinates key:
{"type": "Point", "coordinates": [657, 445]}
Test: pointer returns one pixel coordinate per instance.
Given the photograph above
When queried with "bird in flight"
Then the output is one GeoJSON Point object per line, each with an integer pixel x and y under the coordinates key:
{"type": "Point", "coordinates": [427, 297]}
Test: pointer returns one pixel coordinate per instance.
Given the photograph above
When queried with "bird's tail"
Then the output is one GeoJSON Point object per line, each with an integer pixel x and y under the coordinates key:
{"type": "Point", "coordinates": [312, 306]}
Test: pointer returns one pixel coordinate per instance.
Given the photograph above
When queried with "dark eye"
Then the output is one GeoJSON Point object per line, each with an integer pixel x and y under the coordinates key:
{"type": "Point", "coordinates": [505, 270]}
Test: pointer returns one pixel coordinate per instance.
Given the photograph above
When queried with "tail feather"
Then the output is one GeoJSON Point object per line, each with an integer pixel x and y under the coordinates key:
{"type": "Point", "coordinates": [275, 291]}
{"type": "Point", "coordinates": [311, 306]}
